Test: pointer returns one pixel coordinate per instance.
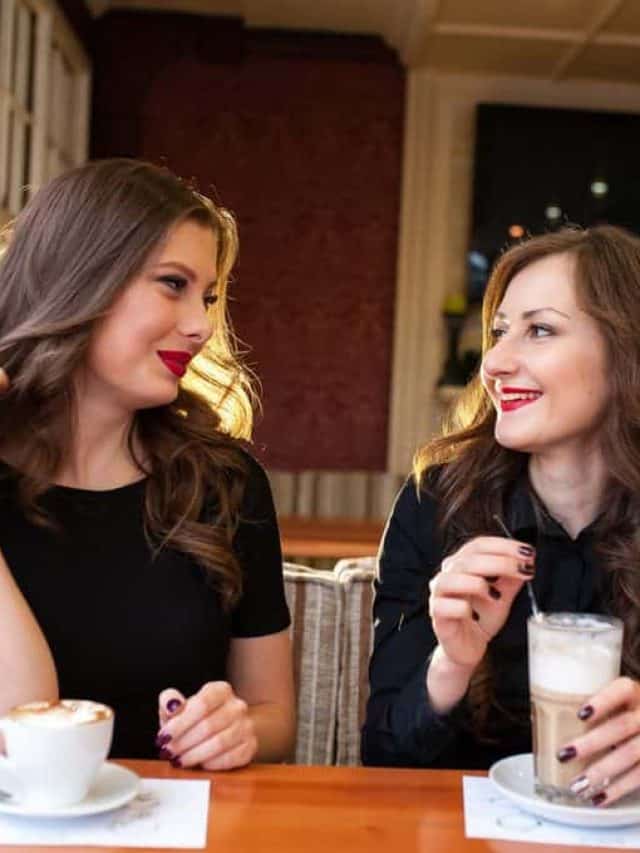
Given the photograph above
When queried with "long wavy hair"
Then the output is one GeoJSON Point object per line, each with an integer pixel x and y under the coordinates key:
{"type": "Point", "coordinates": [473, 473]}
{"type": "Point", "coordinates": [80, 240]}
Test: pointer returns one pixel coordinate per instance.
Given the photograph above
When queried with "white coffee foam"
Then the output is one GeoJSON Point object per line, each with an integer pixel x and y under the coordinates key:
{"type": "Point", "coordinates": [60, 715]}
{"type": "Point", "coordinates": [573, 667]}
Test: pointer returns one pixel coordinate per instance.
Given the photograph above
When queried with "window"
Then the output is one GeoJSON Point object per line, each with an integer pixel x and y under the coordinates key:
{"type": "Point", "coordinates": [44, 99]}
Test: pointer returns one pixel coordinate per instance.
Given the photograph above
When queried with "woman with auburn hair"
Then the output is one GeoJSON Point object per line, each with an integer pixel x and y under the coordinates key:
{"type": "Point", "coordinates": [142, 563]}
{"type": "Point", "coordinates": [547, 439]}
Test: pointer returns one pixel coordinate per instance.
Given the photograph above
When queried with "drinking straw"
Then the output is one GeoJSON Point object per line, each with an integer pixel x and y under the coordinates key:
{"type": "Point", "coordinates": [532, 598]}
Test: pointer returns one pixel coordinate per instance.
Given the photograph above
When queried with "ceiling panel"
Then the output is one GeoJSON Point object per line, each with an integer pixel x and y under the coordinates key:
{"type": "Point", "coordinates": [337, 15]}
{"type": "Point", "coordinates": [626, 21]}
{"type": "Point", "coordinates": [432, 32]}
{"type": "Point", "coordinates": [608, 62]}
{"type": "Point", "coordinates": [541, 14]}
{"type": "Point", "coordinates": [492, 55]}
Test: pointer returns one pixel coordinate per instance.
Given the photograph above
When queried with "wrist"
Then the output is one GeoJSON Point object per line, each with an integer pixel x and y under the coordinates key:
{"type": "Point", "coordinates": [450, 668]}
{"type": "Point", "coordinates": [447, 681]}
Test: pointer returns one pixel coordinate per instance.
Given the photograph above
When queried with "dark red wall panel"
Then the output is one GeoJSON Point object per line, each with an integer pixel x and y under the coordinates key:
{"type": "Point", "coordinates": [301, 136]}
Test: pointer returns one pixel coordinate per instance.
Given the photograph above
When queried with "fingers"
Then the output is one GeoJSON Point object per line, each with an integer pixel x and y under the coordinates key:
{"type": "Point", "coordinates": [614, 743]}
{"type": "Point", "coordinates": [233, 747]}
{"type": "Point", "coordinates": [613, 776]}
{"type": "Point", "coordinates": [446, 613]}
{"type": "Point", "coordinates": [498, 545]}
{"type": "Point", "coordinates": [614, 716]}
{"type": "Point", "coordinates": [212, 727]}
{"type": "Point", "coordinates": [621, 693]}
{"type": "Point", "coordinates": [484, 558]}
{"type": "Point", "coordinates": [208, 699]}
{"type": "Point", "coordinates": [459, 584]}
{"type": "Point", "coordinates": [170, 703]}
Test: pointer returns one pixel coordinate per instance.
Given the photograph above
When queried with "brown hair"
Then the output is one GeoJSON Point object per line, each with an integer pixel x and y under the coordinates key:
{"type": "Point", "coordinates": [78, 242]}
{"type": "Point", "coordinates": [477, 472]}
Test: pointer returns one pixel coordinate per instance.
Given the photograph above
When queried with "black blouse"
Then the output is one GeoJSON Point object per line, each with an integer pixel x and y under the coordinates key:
{"type": "Point", "coordinates": [401, 727]}
{"type": "Point", "coordinates": [123, 626]}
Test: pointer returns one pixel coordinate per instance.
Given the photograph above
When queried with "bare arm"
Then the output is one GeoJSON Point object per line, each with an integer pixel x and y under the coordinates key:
{"type": "Point", "coordinates": [27, 670]}
{"type": "Point", "coordinates": [261, 673]}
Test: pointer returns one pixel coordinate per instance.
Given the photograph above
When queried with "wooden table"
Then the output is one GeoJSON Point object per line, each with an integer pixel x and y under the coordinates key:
{"type": "Point", "coordinates": [329, 537]}
{"type": "Point", "coordinates": [290, 809]}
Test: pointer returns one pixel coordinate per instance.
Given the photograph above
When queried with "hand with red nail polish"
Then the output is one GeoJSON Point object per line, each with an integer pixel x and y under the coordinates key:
{"type": "Point", "coordinates": [211, 729]}
{"type": "Point", "coordinates": [469, 602]}
{"type": "Point", "coordinates": [482, 577]}
{"type": "Point", "coordinates": [612, 743]}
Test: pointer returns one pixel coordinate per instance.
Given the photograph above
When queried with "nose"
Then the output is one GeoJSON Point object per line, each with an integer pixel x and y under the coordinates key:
{"type": "Point", "coordinates": [195, 321]}
{"type": "Point", "coordinates": [502, 359]}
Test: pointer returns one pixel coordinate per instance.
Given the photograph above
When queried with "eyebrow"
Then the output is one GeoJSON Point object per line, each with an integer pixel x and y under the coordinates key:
{"type": "Point", "coordinates": [186, 270]}
{"type": "Point", "coordinates": [527, 314]}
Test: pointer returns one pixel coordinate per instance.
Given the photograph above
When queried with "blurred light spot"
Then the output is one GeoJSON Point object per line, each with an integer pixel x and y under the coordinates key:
{"type": "Point", "coordinates": [599, 188]}
{"type": "Point", "coordinates": [516, 231]}
{"type": "Point", "coordinates": [553, 212]}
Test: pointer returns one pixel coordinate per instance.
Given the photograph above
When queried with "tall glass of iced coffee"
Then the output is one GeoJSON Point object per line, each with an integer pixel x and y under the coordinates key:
{"type": "Point", "coordinates": [571, 657]}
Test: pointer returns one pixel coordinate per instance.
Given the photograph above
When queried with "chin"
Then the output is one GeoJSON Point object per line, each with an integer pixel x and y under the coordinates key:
{"type": "Point", "coordinates": [157, 400]}
{"type": "Point", "coordinates": [513, 442]}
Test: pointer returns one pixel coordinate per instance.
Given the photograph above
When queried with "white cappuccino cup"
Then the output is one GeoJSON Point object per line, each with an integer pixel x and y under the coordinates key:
{"type": "Point", "coordinates": [54, 751]}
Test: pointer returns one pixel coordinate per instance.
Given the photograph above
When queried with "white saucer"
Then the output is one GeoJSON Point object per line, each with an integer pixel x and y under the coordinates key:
{"type": "Point", "coordinates": [514, 777]}
{"type": "Point", "coordinates": [114, 786]}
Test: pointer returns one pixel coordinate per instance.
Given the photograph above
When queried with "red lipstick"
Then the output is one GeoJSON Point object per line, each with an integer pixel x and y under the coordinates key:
{"type": "Point", "coordinates": [518, 403]}
{"type": "Point", "coordinates": [175, 360]}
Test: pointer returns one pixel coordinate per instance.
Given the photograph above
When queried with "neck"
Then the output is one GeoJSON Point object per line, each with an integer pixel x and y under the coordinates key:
{"type": "Point", "coordinates": [570, 485]}
{"type": "Point", "coordinates": [100, 457]}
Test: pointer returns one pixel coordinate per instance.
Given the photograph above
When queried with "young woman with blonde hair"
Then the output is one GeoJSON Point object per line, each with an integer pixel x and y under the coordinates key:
{"type": "Point", "coordinates": [547, 439]}
{"type": "Point", "coordinates": [142, 565]}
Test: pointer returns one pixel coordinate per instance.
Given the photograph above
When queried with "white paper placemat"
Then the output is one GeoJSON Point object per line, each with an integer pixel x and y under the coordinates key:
{"type": "Point", "coordinates": [165, 813]}
{"type": "Point", "coordinates": [489, 814]}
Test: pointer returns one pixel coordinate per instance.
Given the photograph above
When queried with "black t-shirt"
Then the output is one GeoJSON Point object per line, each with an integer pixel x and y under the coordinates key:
{"type": "Point", "coordinates": [401, 727]}
{"type": "Point", "coordinates": [123, 626]}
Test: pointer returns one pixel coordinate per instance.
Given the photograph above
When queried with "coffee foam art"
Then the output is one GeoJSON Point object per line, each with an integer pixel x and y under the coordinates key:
{"type": "Point", "coordinates": [60, 715]}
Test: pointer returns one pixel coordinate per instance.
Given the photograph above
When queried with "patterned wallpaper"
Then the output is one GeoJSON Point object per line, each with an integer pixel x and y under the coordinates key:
{"type": "Point", "coordinates": [301, 136]}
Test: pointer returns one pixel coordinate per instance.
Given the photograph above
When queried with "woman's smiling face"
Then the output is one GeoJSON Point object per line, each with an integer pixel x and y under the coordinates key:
{"type": "Point", "coordinates": [546, 372]}
{"type": "Point", "coordinates": [159, 321]}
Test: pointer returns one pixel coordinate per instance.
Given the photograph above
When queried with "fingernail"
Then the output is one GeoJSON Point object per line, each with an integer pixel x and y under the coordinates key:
{"type": "Point", "coordinates": [495, 593]}
{"type": "Point", "coordinates": [476, 616]}
{"type": "Point", "coordinates": [173, 705]}
{"type": "Point", "coordinates": [566, 754]}
{"type": "Point", "coordinates": [526, 550]}
{"type": "Point", "coordinates": [585, 712]}
{"type": "Point", "coordinates": [578, 785]}
{"type": "Point", "coordinates": [165, 754]}
{"type": "Point", "coordinates": [175, 762]}
{"type": "Point", "coordinates": [162, 739]}
{"type": "Point", "coordinates": [598, 799]}
{"type": "Point", "coordinates": [529, 571]}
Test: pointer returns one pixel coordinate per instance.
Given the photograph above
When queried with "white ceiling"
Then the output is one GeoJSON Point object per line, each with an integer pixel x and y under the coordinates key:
{"type": "Point", "coordinates": [553, 39]}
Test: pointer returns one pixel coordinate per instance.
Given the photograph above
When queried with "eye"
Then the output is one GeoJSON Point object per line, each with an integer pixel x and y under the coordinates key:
{"type": "Point", "coordinates": [210, 299]}
{"type": "Point", "coordinates": [537, 330]}
{"type": "Point", "coordinates": [494, 334]}
{"type": "Point", "coordinates": [174, 282]}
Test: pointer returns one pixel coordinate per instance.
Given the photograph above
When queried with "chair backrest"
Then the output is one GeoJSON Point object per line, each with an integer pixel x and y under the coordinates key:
{"type": "Point", "coordinates": [315, 602]}
{"type": "Point", "coordinates": [355, 577]}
